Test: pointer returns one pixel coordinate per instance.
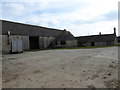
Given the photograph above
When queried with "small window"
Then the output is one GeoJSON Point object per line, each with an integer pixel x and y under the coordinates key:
{"type": "Point", "coordinates": [92, 43]}
{"type": "Point", "coordinates": [63, 42]}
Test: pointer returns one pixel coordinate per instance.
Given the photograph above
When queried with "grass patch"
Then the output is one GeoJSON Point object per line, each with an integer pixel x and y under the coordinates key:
{"type": "Point", "coordinates": [90, 47]}
{"type": "Point", "coordinates": [118, 44]}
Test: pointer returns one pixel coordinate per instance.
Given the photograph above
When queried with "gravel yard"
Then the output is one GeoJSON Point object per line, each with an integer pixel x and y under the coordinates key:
{"type": "Point", "coordinates": [69, 68]}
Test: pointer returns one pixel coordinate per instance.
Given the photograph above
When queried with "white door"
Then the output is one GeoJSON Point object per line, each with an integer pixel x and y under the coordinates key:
{"type": "Point", "coordinates": [16, 46]}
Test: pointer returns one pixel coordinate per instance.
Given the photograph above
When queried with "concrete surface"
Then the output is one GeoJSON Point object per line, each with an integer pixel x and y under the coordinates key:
{"type": "Point", "coordinates": [75, 68]}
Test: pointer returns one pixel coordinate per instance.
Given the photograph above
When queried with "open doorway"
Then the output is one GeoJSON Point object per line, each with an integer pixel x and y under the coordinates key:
{"type": "Point", "coordinates": [34, 42]}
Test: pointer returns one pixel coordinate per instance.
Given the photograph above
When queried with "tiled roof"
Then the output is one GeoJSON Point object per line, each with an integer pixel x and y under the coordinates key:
{"type": "Point", "coordinates": [64, 36]}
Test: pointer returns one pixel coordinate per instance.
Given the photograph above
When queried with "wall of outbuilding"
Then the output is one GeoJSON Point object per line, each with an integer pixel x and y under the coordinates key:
{"type": "Point", "coordinates": [70, 43]}
{"type": "Point", "coordinates": [25, 41]}
{"type": "Point", "coordinates": [44, 42]}
{"type": "Point", "coordinates": [107, 43]}
{"type": "Point", "coordinates": [6, 42]}
{"type": "Point", "coordinates": [0, 44]}
{"type": "Point", "coordinates": [115, 41]}
{"type": "Point", "coordinates": [99, 43]}
{"type": "Point", "coordinates": [41, 42]}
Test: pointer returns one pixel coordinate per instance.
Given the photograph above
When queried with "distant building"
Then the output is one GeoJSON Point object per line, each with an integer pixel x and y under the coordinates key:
{"type": "Point", "coordinates": [17, 37]}
{"type": "Point", "coordinates": [97, 40]}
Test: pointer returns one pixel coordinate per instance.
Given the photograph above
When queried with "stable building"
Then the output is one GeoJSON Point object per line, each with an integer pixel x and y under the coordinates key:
{"type": "Point", "coordinates": [98, 40]}
{"type": "Point", "coordinates": [64, 39]}
{"type": "Point", "coordinates": [17, 37]}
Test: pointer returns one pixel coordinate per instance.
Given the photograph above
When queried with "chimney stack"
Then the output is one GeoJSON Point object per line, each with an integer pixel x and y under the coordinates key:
{"type": "Point", "coordinates": [99, 33]}
{"type": "Point", "coordinates": [114, 30]}
{"type": "Point", "coordinates": [65, 30]}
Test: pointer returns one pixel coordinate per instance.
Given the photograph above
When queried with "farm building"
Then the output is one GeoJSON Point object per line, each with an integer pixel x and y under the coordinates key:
{"type": "Point", "coordinates": [17, 37]}
{"type": "Point", "coordinates": [98, 40]}
{"type": "Point", "coordinates": [64, 39]}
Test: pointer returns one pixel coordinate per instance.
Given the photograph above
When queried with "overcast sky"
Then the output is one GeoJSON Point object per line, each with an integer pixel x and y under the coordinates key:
{"type": "Point", "coordinates": [80, 17]}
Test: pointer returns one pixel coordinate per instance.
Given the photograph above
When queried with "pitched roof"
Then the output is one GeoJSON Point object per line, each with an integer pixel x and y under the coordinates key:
{"type": "Point", "coordinates": [97, 38]}
{"type": "Point", "coordinates": [64, 36]}
{"type": "Point", "coordinates": [27, 30]}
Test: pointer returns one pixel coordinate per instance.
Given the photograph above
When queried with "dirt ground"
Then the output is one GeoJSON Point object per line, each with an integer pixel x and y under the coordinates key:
{"type": "Point", "coordinates": [73, 68]}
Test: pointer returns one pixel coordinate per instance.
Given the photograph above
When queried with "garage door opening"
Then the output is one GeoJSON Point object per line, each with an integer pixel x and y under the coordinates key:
{"type": "Point", "coordinates": [34, 42]}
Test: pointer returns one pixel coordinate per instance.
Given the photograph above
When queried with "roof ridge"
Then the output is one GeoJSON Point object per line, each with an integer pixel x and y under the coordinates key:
{"type": "Point", "coordinates": [95, 35]}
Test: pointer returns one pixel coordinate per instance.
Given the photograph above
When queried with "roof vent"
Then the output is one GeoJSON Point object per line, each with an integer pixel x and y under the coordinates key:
{"type": "Point", "coordinates": [65, 30]}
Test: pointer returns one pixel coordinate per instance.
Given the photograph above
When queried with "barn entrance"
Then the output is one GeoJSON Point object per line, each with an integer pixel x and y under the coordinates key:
{"type": "Point", "coordinates": [34, 42]}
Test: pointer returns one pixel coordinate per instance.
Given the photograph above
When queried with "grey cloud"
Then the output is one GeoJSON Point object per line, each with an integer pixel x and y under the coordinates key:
{"type": "Point", "coordinates": [111, 16]}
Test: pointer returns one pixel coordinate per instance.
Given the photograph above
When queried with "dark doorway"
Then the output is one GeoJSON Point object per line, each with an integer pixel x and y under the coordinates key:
{"type": "Point", "coordinates": [34, 42]}
{"type": "Point", "coordinates": [63, 42]}
{"type": "Point", "coordinates": [92, 43]}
